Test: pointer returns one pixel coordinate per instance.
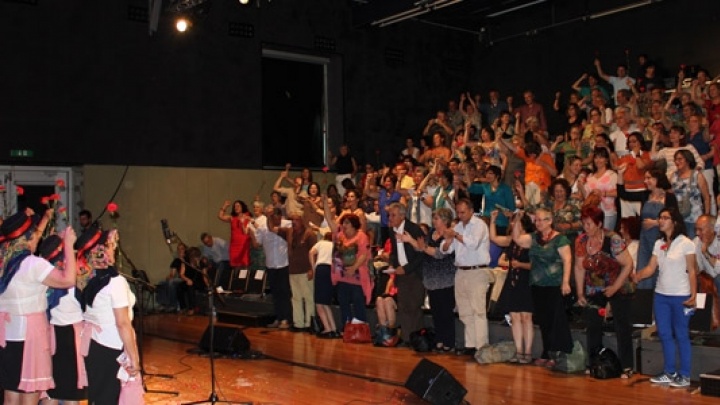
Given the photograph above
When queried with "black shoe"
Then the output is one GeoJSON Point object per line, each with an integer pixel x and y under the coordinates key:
{"type": "Point", "coordinates": [465, 351]}
{"type": "Point", "coordinates": [297, 330]}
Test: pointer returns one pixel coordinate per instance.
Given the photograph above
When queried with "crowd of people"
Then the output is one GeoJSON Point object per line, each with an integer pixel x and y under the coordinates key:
{"type": "Point", "coordinates": [621, 197]}
{"type": "Point", "coordinates": [609, 203]}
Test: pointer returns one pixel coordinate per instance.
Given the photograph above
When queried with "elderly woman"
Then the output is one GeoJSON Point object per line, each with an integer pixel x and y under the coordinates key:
{"type": "Point", "coordinates": [516, 297]}
{"type": "Point", "coordinates": [439, 278]}
{"type": "Point", "coordinates": [25, 363]}
{"type": "Point", "coordinates": [108, 317]}
{"type": "Point", "coordinates": [350, 272]}
{"type": "Point", "coordinates": [674, 302]}
{"type": "Point", "coordinates": [602, 270]}
{"type": "Point", "coordinates": [691, 190]}
{"type": "Point", "coordinates": [550, 268]}
{"type": "Point", "coordinates": [566, 211]}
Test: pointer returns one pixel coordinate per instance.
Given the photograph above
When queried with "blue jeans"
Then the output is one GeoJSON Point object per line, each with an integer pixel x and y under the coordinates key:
{"type": "Point", "coordinates": [672, 326]}
{"type": "Point", "coordinates": [351, 294]}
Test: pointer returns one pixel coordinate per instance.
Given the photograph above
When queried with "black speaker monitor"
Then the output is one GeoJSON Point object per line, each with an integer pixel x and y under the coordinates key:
{"type": "Point", "coordinates": [227, 340]}
{"type": "Point", "coordinates": [434, 384]}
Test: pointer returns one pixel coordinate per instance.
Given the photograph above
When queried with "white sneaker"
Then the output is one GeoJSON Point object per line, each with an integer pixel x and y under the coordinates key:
{"type": "Point", "coordinates": [680, 382]}
{"type": "Point", "coordinates": [663, 378]}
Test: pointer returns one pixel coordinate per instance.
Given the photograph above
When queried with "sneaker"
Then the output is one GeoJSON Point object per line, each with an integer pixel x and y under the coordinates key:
{"type": "Point", "coordinates": [680, 382]}
{"type": "Point", "coordinates": [663, 378]}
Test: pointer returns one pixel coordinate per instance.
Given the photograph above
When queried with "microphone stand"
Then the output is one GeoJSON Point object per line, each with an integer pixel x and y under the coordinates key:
{"type": "Point", "coordinates": [213, 398]}
{"type": "Point", "coordinates": [141, 287]}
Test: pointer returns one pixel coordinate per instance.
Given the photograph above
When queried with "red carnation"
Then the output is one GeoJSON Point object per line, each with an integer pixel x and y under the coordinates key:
{"type": "Point", "coordinates": [325, 169]}
{"type": "Point", "coordinates": [19, 190]}
{"type": "Point", "coordinates": [45, 200]}
{"type": "Point", "coordinates": [518, 174]}
{"type": "Point", "coordinates": [602, 312]}
{"type": "Point", "coordinates": [2, 188]}
{"type": "Point", "coordinates": [112, 207]}
{"type": "Point", "coordinates": [62, 210]}
{"type": "Point", "coordinates": [54, 197]}
{"type": "Point", "coordinates": [60, 183]}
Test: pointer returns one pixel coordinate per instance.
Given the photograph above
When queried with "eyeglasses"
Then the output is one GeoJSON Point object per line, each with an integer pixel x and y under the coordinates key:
{"type": "Point", "coordinates": [665, 217]}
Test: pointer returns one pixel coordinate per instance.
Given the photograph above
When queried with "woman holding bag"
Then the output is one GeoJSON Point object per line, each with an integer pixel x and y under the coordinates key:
{"type": "Point", "coordinates": [602, 270]}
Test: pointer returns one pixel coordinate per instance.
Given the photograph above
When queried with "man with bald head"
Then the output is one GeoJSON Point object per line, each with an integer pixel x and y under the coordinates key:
{"type": "Point", "coordinates": [707, 247]}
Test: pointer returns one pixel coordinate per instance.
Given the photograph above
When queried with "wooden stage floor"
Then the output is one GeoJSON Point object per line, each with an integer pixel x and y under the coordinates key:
{"type": "Point", "coordinates": [302, 369]}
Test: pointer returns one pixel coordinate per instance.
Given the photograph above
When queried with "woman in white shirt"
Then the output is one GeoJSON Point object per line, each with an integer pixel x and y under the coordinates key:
{"type": "Point", "coordinates": [66, 319]}
{"type": "Point", "coordinates": [674, 302]}
{"type": "Point", "coordinates": [108, 316]}
{"type": "Point", "coordinates": [25, 364]}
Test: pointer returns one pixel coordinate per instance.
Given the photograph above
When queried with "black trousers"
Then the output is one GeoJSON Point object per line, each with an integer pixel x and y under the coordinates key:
{"type": "Point", "coordinates": [623, 326]}
{"type": "Point", "coordinates": [442, 303]}
{"type": "Point", "coordinates": [550, 316]}
{"type": "Point", "coordinates": [279, 283]}
{"type": "Point", "coordinates": [102, 367]}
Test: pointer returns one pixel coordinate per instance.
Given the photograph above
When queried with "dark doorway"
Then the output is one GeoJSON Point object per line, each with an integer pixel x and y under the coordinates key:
{"type": "Point", "coordinates": [292, 113]}
{"type": "Point", "coordinates": [31, 196]}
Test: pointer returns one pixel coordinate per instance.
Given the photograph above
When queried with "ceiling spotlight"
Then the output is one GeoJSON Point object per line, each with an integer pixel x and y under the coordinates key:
{"type": "Point", "coordinates": [182, 24]}
{"type": "Point", "coordinates": [244, 1]}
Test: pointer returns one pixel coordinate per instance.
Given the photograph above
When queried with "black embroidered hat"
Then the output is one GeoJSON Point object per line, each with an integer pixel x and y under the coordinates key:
{"type": "Point", "coordinates": [15, 226]}
{"type": "Point", "coordinates": [51, 247]}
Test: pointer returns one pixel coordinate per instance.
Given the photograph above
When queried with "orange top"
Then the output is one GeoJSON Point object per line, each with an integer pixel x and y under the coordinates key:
{"type": "Point", "coordinates": [634, 178]}
{"type": "Point", "coordinates": [535, 172]}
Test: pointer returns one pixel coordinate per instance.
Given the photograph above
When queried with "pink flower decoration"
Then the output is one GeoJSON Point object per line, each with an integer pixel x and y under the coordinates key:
{"type": "Point", "coordinates": [112, 207]}
{"type": "Point", "coordinates": [325, 169]}
{"type": "Point", "coordinates": [19, 190]}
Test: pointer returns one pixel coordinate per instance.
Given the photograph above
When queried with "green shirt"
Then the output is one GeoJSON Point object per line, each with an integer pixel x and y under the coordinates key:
{"type": "Point", "coordinates": [546, 265]}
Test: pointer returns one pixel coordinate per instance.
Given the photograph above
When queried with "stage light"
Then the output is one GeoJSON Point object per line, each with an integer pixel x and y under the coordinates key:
{"type": "Point", "coordinates": [182, 24]}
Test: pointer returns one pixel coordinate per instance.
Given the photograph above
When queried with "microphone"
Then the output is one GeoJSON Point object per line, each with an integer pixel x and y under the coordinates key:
{"type": "Point", "coordinates": [166, 231]}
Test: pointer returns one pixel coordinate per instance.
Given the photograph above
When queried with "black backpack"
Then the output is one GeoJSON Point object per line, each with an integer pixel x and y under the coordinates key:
{"type": "Point", "coordinates": [604, 364]}
{"type": "Point", "coordinates": [422, 340]}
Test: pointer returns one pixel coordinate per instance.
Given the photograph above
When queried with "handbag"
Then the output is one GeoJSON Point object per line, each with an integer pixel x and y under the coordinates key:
{"type": "Point", "coordinates": [573, 362]}
{"type": "Point", "coordinates": [356, 333]}
{"type": "Point", "coordinates": [604, 364]}
{"type": "Point", "coordinates": [422, 340]}
{"type": "Point", "coordinates": [496, 353]}
{"type": "Point", "coordinates": [684, 203]}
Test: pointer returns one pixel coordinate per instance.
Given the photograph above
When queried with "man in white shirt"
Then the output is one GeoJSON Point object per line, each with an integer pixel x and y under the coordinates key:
{"type": "Point", "coordinates": [707, 247]}
{"type": "Point", "coordinates": [621, 81]}
{"type": "Point", "coordinates": [470, 240]}
{"type": "Point", "coordinates": [408, 271]}
{"type": "Point", "coordinates": [274, 239]}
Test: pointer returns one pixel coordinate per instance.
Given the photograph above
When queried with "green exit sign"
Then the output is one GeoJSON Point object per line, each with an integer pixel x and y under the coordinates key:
{"type": "Point", "coordinates": [23, 153]}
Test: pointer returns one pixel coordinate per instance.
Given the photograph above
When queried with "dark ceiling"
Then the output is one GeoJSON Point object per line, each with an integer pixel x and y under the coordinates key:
{"type": "Point", "coordinates": [497, 20]}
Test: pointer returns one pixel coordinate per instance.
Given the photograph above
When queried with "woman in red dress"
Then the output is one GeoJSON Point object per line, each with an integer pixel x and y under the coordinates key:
{"type": "Point", "coordinates": [239, 220]}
